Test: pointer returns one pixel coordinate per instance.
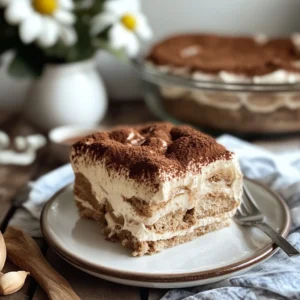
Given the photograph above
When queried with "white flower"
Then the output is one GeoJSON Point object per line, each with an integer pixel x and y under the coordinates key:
{"type": "Point", "coordinates": [127, 25]}
{"type": "Point", "coordinates": [44, 21]}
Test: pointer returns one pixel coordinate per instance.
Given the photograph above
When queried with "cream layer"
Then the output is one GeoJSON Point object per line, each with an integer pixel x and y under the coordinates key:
{"type": "Point", "coordinates": [236, 102]}
{"type": "Point", "coordinates": [143, 234]}
{"type": "Point", "coordinates": [114, 188]}
{"type": "Point", "coordinates": [85, 204]}
{"type": "Point", "coordinates": [279, 76]}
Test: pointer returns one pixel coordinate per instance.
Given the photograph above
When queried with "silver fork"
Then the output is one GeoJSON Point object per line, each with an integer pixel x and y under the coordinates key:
{"type": "Point", "coordinates": [249, 214]}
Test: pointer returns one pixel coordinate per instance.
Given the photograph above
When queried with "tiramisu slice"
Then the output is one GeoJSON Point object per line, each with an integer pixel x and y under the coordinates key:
{"type": "Point", "coordinates": [155, 186]}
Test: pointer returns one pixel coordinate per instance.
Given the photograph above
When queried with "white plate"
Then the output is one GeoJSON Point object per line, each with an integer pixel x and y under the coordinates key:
{"type": "Point", "coordinates": [209, 258]}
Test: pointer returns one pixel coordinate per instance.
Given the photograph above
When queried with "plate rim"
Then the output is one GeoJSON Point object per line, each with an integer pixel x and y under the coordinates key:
{"type": "Point", "coordinates": [260, 255]}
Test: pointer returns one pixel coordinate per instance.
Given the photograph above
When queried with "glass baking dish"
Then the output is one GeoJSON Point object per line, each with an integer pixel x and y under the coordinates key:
{"type": "Point", "coordinates": [243, 109]}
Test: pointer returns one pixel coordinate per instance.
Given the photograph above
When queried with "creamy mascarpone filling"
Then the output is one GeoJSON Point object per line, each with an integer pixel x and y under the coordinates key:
{"type": "Point", "coordinates": [278, 76]}
{"type": "Point", "coordinates": [237, 101]}
{"type": "Point", "coordinates": [143, 234]}
{"type": "Point", "coordinates": [115, 188]}
{"type": "Point", "coordinates": [112, 183]}
{"type": "Point", "coordinates": [84, 203]}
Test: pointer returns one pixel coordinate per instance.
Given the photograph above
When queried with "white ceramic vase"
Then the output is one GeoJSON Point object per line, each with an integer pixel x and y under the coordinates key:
{"type": "Point", "coordinates": [67, 94]}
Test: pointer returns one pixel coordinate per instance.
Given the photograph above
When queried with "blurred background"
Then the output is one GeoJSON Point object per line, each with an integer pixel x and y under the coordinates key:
{"type": "Point", "coordinates": [90, 73]}
{"type": "Point", "coordinates": [272, 17]}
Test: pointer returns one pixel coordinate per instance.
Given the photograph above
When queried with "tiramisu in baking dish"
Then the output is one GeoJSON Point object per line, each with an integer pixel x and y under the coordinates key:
{"type": "Point", "coordinates": [237, 84]}
{"type": "Point", "coordinates": [155, 186]}
{"type": "Point", "coordinates": [230, 59]}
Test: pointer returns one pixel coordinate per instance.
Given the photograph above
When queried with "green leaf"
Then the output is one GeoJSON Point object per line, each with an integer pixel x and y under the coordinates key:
{"type": "Point", "coordinates": [20, 67]}
{"type": "Point", "coordinates": [82, 10]}
{"type": "Point", "coordinates": [56, 53]}
{"type": "Point", "coordinates": [119, 53]}
{"type": "Point", "coordinates": [81, 50]}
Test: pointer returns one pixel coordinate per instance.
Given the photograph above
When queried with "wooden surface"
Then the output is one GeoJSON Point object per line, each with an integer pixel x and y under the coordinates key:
{"type": "Point", "coordinates": [14, 178]}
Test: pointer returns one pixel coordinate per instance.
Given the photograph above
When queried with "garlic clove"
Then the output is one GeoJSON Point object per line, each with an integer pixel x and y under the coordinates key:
{"type": "Point", "coordinates": [12, 282]}
{"type": "Point", "coordinates": [4, 140]}
{"type": "Point", "coordinates": [2, 252]}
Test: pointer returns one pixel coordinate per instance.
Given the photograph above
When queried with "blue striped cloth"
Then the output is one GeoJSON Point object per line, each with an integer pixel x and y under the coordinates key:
{"type": "Point", "coordinates": [279, 277]}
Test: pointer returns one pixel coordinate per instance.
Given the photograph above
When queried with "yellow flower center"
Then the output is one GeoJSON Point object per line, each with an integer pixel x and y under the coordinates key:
{"type": "Point", "coordinates": [129, 21]}
{"type": "Point", "coordinates": [45, 7]}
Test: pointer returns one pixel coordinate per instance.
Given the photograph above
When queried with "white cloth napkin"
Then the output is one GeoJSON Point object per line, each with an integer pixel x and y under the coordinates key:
{"type": "Point", "coordinates": [278, 278]}
{"type": "Point", "coordinates": [41, 191]}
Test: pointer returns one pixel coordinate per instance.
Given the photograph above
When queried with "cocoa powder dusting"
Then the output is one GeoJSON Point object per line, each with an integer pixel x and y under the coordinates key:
{"type": "Point", "coordinates": [120, 135]}
{"type": "Point", "coordinates": [163, 151]}
{"type": "Point", "coordinates": [214, 53]}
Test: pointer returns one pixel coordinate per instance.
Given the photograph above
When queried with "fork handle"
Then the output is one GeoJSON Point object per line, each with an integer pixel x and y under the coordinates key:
{"type": "Point", "coordinates": [277, 239]}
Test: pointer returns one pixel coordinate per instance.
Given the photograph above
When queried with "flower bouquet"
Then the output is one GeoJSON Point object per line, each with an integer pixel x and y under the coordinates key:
{"type": "Point", "coordinates": [62, 31]}
{"type": "Point", "coordinates": [55, 42]}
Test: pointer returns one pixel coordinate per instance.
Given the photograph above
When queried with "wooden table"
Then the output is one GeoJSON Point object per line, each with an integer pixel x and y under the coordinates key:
{"type": "Point", "coordinates": [14, 178]}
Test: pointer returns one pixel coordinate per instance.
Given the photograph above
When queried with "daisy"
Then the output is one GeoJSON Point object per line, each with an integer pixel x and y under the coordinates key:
{"type": "Point", "coordinates": [44, 21]}
{"type": "Point", "coordinates": [126, 25]}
